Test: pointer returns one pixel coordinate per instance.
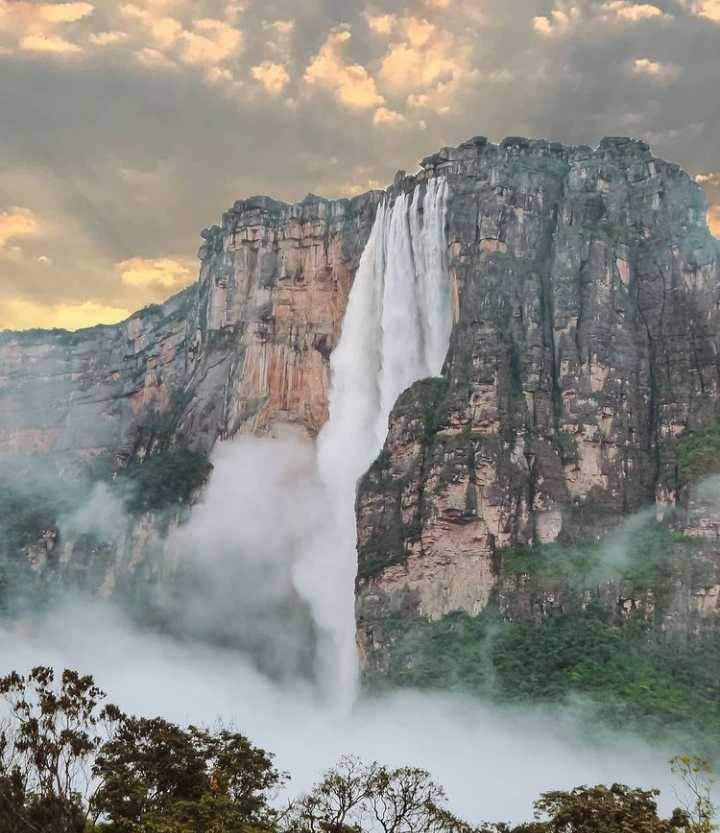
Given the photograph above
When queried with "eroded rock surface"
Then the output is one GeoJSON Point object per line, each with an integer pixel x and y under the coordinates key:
{"type": "Point", "coordinates": [585, 348]}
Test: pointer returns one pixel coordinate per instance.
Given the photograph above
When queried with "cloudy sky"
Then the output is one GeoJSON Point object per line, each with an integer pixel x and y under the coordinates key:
{"type": "Point", "coordinates": [126, 127]}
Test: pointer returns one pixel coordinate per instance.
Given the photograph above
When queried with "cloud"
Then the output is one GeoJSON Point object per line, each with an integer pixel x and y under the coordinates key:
{"type": "Point", "coordinates": [163, 30]}
{"type": "Point", "coordinates": [16, 221]}
{"type": "Point", "coordinates": [39, 27]}
{"type": "Point", "coordinates": [49, 43]}
{"type": "Point", "coordinates": [709, 9]}
{"type": "Point", "coordinates": [159, 273]}
{"type": "Point", "coordinates": [22, 314]}
{"type": "Point", "coordinates": [426, 64]}
{"type": "Point", "coordinates": [384, 117]}
{"type": "Point", "coordinates": [558, 22]}
{"type": "Point", "coordinates": [154, 58]}
{"type": "Point", "coordinates": [625, 11]}
{"type": "Point", "coordinates": [280, 34]}
{"type": "Point", "coordinates": [566, 18]}
{"type": "Point", "coordinates": [162, 41]}
{"type": "Point", "coordinates": [273, 77]}
{"type": "Point", "coordinates": [352, 84]}
{"type": "Point", "coordinates": [662, 73]}
{"type": "Point", "coordinates": [711, 185]}
{"type": "Point", "coordinates": [210, 43]}
{"type": "Point", "coordinates": [381, 24]}
{"type": "Point", "coordinates": [419, 75]}
{"type": "Point", "coordinates": [107, 38]}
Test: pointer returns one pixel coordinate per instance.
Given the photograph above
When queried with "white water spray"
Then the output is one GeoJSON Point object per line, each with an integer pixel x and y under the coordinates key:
{"type": "Point", "coordinates": [395, 331]}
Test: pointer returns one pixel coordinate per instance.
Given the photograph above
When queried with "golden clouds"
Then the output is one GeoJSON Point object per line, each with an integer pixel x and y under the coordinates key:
{"type": "Point", "coordinates": [381, 24]}
{"type": "Point", "coordinates": [40, 27]}
{"type": "Point", "coordinates": [714, 219]}
{"type": "Point", "coordinates": [558, 22]}
{"type": "Point", "coordinates": [385, 117]}
{"type": "Point", "coordinates": [49, 43]}
{"type": "Point", "coordinates": [211, 42]}
{"type": "Point", "coordinates": [16, 221]}
{"type": "Point", "coordinates": [107, 38]}
{"type": "Point", "coordinates": [273, 77]}
{"type": "Point", "coordinates": [163, 274]}
{"type": "Point", "coordinates": [206, 43]}
{"type": "Point", "coordinates": [709, 9]}
{"type": "Point", "coordinates": [566, 17]}
{"type": "Point", "coordinates": [21, 314]}
{"type": "Point", "coordinates": [352, 84]}
{"type": "Point", "coordinates": [426, 64]}
{"type": "Point", "coordinates": [662, 73]}
{"type": "Point", "coordinates": [711, 185]}
{"type": "Point", "coordinates": [623, 10]}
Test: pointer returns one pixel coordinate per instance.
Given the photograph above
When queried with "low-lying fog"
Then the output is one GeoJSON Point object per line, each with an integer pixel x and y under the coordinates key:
{"type": "Point", "coordinates": [493, 762]}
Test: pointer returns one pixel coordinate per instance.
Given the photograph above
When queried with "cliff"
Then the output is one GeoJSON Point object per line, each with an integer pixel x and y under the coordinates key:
{"type": "Point", "coordinates": [555, 471]}
{"type": "Point", "coordinates": [245, 349]}
{"type": "Point", "coordinates": [580, 388]}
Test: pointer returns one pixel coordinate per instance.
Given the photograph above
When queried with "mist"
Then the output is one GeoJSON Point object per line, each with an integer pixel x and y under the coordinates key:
{"type": "Point", "coordinates": [492, 761]}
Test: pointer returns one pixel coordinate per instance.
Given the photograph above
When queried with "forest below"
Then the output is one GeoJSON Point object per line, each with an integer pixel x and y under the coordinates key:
{"type": "Point", "coordinates": [71, 762]}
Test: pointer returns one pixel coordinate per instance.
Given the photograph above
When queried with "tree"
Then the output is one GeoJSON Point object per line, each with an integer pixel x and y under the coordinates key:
{"type": "Point", "coordinates": [600, 809]}
{"type": "Point", "coordinates": [48, 739]}
{"type": "Point", "coordinates": [357, 797]}
{"type": "Point", "coordinates": [696, 775]}
{"type": "Point", "coordinates": [157, 777]}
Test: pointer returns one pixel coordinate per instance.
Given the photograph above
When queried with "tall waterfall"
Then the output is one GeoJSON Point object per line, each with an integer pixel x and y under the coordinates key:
{"type": "Point", "coordinates": [395, 331]}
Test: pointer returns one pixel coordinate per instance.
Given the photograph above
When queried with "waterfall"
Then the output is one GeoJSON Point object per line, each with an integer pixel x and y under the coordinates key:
{"type": "Point", "coordinates": [395, 331]}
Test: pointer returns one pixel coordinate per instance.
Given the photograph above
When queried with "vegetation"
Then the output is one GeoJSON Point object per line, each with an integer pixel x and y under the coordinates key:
{"type": "Point", "coordinates": [164, 479]}
{"type": "Point", "coordinates": [632, 675]}
{"type": "Point", "coordinates": [69, 763]}
{"type": "Point", "coordinates": [698, 452]}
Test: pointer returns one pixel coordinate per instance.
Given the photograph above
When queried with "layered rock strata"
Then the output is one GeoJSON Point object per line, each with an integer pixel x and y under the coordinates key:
{"type": "Point", "coordinates": [587, 291]}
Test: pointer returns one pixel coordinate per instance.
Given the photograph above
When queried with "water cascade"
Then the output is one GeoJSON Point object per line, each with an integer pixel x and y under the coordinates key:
{"type": "Point", "coordinates": [395, 331]}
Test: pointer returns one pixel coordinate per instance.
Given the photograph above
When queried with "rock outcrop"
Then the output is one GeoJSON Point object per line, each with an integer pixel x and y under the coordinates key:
{"type": "Point", "coordinates": [245, 349]}
{"type": "Point", "coordinates": [581, 386]}
{"type": "Point", "coordinates": [583, 357]}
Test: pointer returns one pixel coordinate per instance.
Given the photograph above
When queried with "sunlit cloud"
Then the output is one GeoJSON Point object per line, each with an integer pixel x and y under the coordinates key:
{"type": "Point", "coordinates": [159, 273]}
{"type": "Point", "coordinates": [279, 37]}
{"type": "Point", "coordinates": [711, 185]}
{"type": "Point", "coordinates": [210, 43]}
{"type": "Point", "coordinates": [426, 64]}
{"type": "Point", "coordinates": [273, 77]}
{"type": "Point", "coordinates": [107, 38]}
{"type": "Point", "coordinates": [23, 314]}
{"type": "Point", "coordinates": [662, 73]}
{"type": "Point", "coordinates": [39, 27]}
{"type": "Point", "coordinates": [381, 24]}
{"type": "Point", "coordinates": [49, 43]}
{"type": "Point", "coordinates": [624, 11]}
{"type": "Point", "coordinates": [567, 17]}
{"type": "Point", "coordinates": [709, 9]}
{"type": "Point", "coordinates": [163, 30]}
{"type": "Point", "coordinates": [558, 22]}
{"type": "Point", "coordinates": [351, 84]}
{"type": "Point", "coordinates": [15, 222]}
{"type": "Point", "coordinates": [385, 117]}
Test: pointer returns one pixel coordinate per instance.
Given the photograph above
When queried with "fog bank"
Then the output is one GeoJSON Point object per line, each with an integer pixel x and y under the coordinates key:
{"type": "Point", "coordinates": [492, 761]}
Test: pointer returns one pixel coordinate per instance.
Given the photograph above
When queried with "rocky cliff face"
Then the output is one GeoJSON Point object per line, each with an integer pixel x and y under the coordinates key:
{"type": "Point", "coordinates": [580, 388]}
{"type": "Point", "coordinates": [244, 350]}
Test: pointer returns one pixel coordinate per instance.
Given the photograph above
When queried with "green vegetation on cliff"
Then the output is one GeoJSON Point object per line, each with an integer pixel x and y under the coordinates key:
{"type": "Point", "coordinates": [553, 634]}
{"type": "Point", "coordinates": [164, 479]}
{"type": "Point", "coordinates": [663, 686]}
